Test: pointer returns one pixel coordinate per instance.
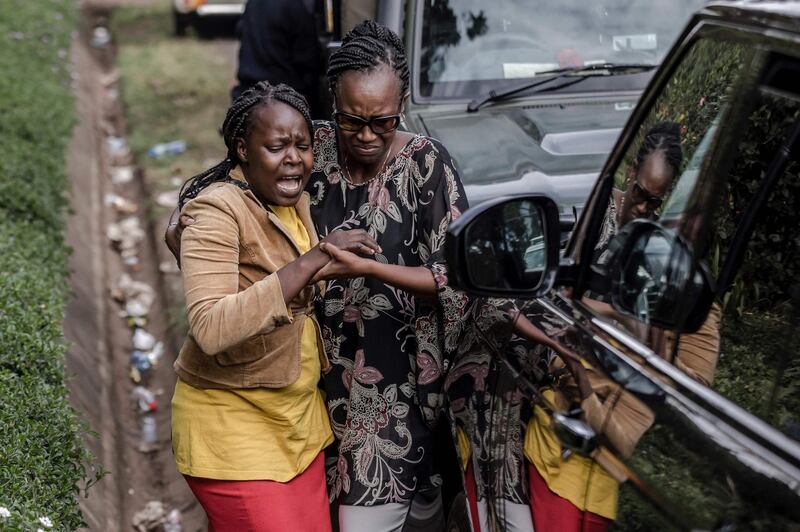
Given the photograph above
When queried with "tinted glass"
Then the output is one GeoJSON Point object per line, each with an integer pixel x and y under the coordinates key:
{"type": "Point", "coordinates": [653, 186]}
{"type": "Point", "coordinates": [379, 124]}
{"type": "Point", "coordinates": [506, 247]}
{"type": "Point", "coordinates": [747, 346]}
{"type": "Point", "coordinates": [755, 328]}
{"type": "Point", "coordinates": [759, 362]}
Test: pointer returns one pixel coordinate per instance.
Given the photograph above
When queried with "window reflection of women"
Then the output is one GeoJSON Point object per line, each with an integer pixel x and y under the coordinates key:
{"type": "Point", "coordinates": [578, 494]}
{"type": "Point", "coordinates": [655, 168]}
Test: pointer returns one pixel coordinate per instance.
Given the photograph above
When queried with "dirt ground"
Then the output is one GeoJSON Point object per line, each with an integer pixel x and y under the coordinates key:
{"type": "Point", "coordinates": [101, 340]}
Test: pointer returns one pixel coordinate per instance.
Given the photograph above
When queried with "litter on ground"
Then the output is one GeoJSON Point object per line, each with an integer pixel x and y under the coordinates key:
{"type": "Point", "coordinates": [127, 234]}
{"type": "Point", "coordinates": [100, 37]}
{"type": "Point", "coordinates": [120, 204]}
{"type": "Point", "coordinates": [148, 439]}
{"type": "Point", "coordinates": [144, 398]}
{"type": "Point", "coordinates": [121, 174]}
{"type": "Point", "coordinates": [175, 147]}
{"type": "Point", "coordinates": [136, 297]}
{"type": "Point", "coordinates": [143, 340]}
{"type": "Point", "coordinates": [168, 199]}
{"type": "Point", "coordinates": [150, 518]}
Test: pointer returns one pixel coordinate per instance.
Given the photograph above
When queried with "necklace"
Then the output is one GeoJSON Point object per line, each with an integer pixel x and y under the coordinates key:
{"type": "Point", "coordinates": [348, 176]}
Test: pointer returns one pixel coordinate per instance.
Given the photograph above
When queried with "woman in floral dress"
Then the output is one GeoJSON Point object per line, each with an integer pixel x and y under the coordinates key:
{"type": "Point", "coordinates": [383, 388]}
{"type": "Point", "coordinates": [392, 335]}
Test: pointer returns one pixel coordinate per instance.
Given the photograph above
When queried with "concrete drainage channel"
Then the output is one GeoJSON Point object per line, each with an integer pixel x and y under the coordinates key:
{"type": "Point", "coordinates": [121, 350]}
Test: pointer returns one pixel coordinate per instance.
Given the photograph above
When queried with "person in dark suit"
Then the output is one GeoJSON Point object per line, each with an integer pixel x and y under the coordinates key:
{"type": "Point", "coordinates": [280, 44]}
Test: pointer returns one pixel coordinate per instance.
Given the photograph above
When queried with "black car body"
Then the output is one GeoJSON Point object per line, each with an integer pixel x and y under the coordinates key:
{"type": "Point", "coordinates": [691, 312]}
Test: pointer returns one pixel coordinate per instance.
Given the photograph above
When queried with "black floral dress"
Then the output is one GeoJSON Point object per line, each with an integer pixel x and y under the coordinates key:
{"type": "Point", "coordinates": [483, 394]}
{"type": "Point", "coordinates": [384, 386]}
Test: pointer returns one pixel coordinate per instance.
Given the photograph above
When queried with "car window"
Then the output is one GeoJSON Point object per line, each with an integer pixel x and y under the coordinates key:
{"type": "Point", "coordinates": [754, 326]}
{"type": "Point", "coordinates": [759, 313]}
{"type": "Point", "coordinates": [747, 347]}
{"type": "Point", "coordinates": [471, 46]}
{"type": "Point", "coordinates": [656, 204]}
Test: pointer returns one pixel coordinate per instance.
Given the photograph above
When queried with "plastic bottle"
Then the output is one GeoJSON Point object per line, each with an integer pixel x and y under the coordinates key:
{"type": "Point", "coordinates": [173, 522]}
{"type": "Point", "coordinates": [146, 399]}
{"type": "Point", "coordinates": [176, 147]}
{"type": "Point", "coordinates": [149, 435]}
{"type": "Point", "coordinates": [143, 340]}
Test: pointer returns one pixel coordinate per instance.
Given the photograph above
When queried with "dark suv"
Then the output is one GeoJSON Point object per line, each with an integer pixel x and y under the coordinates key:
{"type": "Point", "coordinates": [681, 301]}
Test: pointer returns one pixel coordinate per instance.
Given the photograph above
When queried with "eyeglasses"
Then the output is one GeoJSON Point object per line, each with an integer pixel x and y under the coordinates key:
{"type": "Point", "coordinates": [640, 195]}
{"type": "Point", "coordinates": [379, 125]}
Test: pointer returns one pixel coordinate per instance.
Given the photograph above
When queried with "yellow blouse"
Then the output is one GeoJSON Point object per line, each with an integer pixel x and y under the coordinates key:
{"type": "Point", "coordinates": [580, 480]}
{"type": "Point", "coordinates": [255, 434]}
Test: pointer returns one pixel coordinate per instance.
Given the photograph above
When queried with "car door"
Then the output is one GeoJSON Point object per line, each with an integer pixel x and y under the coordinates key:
{"type": "Point", "coordinates": [685, 301]}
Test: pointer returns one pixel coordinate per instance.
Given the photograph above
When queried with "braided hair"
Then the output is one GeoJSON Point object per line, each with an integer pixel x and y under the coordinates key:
{"type": "Point", "coordinates": [664, 137]}
{"type": "Point", "coordinates": [363, 49]}
{"type": "Point", "coordinates": [237, 124]}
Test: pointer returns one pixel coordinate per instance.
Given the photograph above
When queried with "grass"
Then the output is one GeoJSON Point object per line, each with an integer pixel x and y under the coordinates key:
{"type": "Point", "coordinates": [172, 88]}
{"type": "Point", "coordinates": [44, 464]}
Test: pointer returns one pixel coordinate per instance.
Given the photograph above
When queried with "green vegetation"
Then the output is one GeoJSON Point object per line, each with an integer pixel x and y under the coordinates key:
{"type": "Point", "coordinates": [43, 464]}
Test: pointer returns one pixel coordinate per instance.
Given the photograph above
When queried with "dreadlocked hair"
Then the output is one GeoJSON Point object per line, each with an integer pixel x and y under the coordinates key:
{"type": "Point", "coordinates": [664, 137]}
{"type": "Point", "coordinates": [364, 48]}
{"type": "Point", "coordinates": [237, 124]}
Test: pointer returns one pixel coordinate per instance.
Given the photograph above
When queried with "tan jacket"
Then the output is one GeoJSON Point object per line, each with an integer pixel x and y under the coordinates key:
{"type": "Point", "coordinates": [241, 335]}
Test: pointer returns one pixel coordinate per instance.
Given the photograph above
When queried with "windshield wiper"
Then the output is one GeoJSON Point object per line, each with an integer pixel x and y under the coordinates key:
{"type": "Point", "coordinates": [604, 69]}
{"type": "Point", "coordinates": [580, 73]}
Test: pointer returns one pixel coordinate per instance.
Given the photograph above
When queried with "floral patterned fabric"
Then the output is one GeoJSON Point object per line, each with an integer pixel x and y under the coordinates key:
{"type": "Point", "coordinates": [384, 385]}
{"type": "Point", "coordinates": [609, 228]}
{"type": "Point", "coordinates": [482, 392]}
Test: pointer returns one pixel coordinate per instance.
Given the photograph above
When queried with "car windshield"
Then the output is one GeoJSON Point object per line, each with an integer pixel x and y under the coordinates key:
{"type": "Point", "coordinates": [469, 47]}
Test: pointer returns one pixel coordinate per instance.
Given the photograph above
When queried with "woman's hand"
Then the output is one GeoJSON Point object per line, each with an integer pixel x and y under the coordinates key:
{"type": "Point", "coordinates": [354, 240]}
{"type": "Point", "coordinates": [579, 373]}
{"type": "Point", "coordinates": [172, 236]}
{"type": "Point", "coordinates": [342, 264]}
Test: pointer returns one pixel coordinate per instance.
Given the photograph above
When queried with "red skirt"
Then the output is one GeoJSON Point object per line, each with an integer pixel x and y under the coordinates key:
{"type": "Point", "coordinates": [552, 513]}
{"type": "Point", "coordinates": [266, 505]}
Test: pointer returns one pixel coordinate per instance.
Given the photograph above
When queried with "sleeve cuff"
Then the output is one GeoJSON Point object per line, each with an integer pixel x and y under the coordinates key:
{"type": "Point", "coordinates": [273, 304]}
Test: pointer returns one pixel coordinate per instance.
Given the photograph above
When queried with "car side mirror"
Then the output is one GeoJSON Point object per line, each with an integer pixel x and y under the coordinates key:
{"type": "Point", "coordinates": [507, 247]}
{"type": "Point", "coordinates": [655, 277]}
{"type": "Point", "coordinates": [575, 435]}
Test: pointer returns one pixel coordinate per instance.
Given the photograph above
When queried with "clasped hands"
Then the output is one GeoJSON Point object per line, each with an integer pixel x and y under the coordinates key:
{"type": "Point", "coordinates": [348, 249]}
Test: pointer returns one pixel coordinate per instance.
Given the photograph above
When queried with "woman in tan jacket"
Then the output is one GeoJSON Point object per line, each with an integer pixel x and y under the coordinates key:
{"type": "Point", "coordinates": [249, 422]}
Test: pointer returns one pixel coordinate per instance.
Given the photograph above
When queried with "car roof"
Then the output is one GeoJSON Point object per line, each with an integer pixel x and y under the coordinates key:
{"type": "Point", "coordinates": [770, 13]}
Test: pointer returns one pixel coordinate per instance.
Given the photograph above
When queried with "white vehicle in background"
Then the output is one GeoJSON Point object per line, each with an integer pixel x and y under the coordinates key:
{"type": "Point", "coordinates": [194, 12]}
